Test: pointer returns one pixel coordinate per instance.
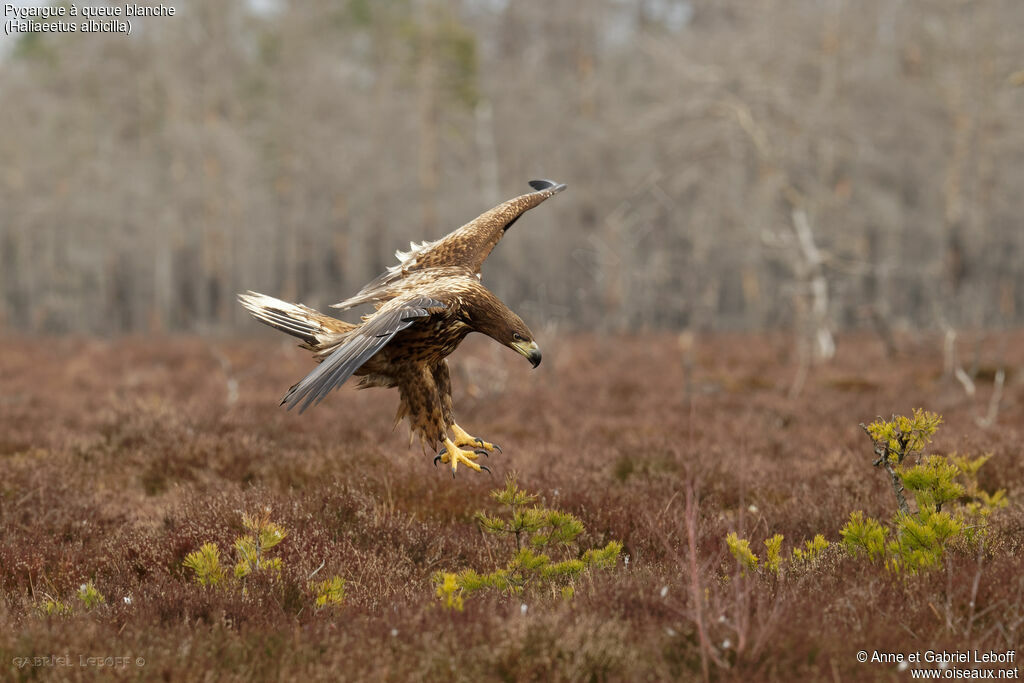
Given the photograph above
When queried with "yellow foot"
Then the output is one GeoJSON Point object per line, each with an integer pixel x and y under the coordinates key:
{"type": "Point", "coordinates": [455, 455]}
{"type": "Point", "coordinates": [463, 438]}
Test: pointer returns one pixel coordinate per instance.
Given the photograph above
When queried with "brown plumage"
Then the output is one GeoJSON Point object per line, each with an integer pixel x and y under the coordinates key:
{"type": "Point", "coordinates": [425, 306]}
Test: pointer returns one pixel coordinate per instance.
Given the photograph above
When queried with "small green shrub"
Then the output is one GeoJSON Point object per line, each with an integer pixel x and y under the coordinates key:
{"type": "Point", "coordinates": [205, 562]}
{"type": "Point", "coordinates": [933, 482]}
{"type": "Point", "coordinates": [914, 541]}
{"type": "Point", "coordinates": [329, 593]}
{"type": "Point", "coordinates": [902, 436]}
{"type": "Point", "coordinates": [449, 592]}
{"type": "Point", "coordinates": [538, 533]}
{"type": "Point", "coordinates": [773, 559]}
{"type": "Point", "coordinates": [51, 606]}
{"type": "Point", "coordinates": [918, 540]}
{"type": "Point", "coordinates": [252, 548]}
{"type": "Point", "coordinates": [864, 535]}
{"type": "Point", "coordinates": [811, 551]}
{"type": "Point", "coordinates": [90, 596]}
{"type": "Point", "coordinates": [978, 504]}
{"type": "Point", "coordinates": [740, 549]}
{"type": "Point", "coordinates": [252, 551]}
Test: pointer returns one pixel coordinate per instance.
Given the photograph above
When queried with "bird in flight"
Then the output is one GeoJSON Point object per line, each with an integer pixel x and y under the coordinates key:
{"type": "Point", "coordinates": [425, 306]}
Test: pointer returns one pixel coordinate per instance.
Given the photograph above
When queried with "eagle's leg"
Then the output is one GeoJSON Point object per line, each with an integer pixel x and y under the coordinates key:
{"type": "Point", "coordinates": [454, 455]}
{"type": "Point", "coordinates": [464, 438]}
{"type": "Point", "coordinates": [451, 453]}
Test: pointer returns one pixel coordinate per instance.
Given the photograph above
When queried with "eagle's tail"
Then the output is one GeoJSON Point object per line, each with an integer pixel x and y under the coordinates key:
{"type": "Point", "coordinates": [315, 329]}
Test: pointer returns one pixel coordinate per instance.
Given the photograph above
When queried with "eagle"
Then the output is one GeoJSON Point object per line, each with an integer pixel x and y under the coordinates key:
{"type": "Point", "coordinates": [425, 305]}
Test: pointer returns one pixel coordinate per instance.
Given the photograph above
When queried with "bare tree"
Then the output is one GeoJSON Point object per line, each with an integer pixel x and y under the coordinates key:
{"type": "Point", "coordinates": [293, 147]}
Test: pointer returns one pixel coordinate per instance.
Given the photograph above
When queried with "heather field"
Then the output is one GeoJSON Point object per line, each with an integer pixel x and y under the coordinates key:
{"type": "Point", "coordinates": [120, 458]}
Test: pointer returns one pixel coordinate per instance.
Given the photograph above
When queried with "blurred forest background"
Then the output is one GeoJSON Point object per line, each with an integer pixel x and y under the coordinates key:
{"type": "Point", "coordinates": [732, 164]}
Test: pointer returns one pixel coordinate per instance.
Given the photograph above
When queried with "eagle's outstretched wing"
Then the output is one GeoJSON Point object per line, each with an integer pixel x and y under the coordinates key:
{"type": "Point", "coordinates": [466, 247]}
{"type": "Point", "coordinates": [359, 346]}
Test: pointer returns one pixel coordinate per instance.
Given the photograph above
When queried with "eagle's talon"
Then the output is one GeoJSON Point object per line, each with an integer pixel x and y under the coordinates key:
{"type": "Point", "coordinates": [456, 456]}
{"type": "Point", "coordinates": [436, 458]}
{"type": "Point", "coordinates": [487, 469]}
{"type": "Point", "coordinates": [481, 447]}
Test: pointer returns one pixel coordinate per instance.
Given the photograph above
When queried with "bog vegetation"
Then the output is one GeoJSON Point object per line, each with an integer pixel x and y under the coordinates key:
{"type": "Point", "coordinates": [912, 541]}
{"type": "Point", "coordinates": [201, 529]}
{"type": "Point", "coordinates": [533, 529]}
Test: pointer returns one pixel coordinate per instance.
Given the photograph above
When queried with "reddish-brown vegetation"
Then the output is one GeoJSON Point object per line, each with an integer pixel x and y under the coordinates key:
{"type": "Point", "coordinates": [118, 458]}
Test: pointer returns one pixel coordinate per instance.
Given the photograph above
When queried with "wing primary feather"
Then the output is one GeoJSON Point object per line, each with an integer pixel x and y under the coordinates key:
{"type": "Point", "coordinates": [338, 367]}
{"type": "Point", "coordinates": [347, 363]}
{"type": "Point", "coordinates": [343, 362]}
{"type": "Point", "coordinates": [321, 375]}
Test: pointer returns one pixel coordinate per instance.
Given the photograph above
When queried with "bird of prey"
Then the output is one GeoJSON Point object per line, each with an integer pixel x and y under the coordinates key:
{"type": "Point", "coordinates": [425, 306]}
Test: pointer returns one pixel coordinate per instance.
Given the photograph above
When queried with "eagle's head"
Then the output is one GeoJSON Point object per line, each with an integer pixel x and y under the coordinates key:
{"type": "Point", "coordinates": [522, 342]}
{"type": "Point", "coordinates": [485, 313]}
{"type": "Point", "coordinates": [508, 329]}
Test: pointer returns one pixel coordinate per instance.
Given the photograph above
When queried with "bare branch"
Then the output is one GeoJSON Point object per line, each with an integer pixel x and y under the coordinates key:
{"type": "Point", "coordinates": [994, 400]}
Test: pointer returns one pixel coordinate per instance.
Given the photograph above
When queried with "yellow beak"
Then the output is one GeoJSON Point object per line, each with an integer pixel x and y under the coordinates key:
{"type": "Point", "coordinates": [529, 351]}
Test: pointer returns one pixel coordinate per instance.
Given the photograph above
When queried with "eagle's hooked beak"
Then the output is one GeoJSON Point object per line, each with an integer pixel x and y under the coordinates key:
{"type": "Point", "coordinates": [529, 351]}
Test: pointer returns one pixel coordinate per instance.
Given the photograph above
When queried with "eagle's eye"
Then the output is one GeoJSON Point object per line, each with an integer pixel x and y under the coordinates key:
{"type": "Point", "coordinates": [517, 336]}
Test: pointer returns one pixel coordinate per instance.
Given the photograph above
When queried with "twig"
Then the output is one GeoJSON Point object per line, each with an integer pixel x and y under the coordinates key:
{"type": "Point", "coordinates": [322, 563]}
{"type": "Point", "coordinates": [698, 594]}
{"type": "Point", "coordinates": [813, 259]}
{"type": "Point", "coordinates": [28, 495]}
{"type": "Point", "coordinates": [882, 451]}
{"type": "Point", "coordinates": [229, 376]}
{"type": "Point", "coordinates": [897, 487]}
{"type": "Point", "coordinates": [993, 404]}
{"type": "Point", "coordinates": [948, 350]}
{"type": "Point", "coordinates": [804, 360]}
{"type": "Point", "coordinates": [951, 364]}
{"type": "Point", "coordinates": [949, 595]}
{"type": "Point", "coordinates": [965, 380]}
{"type": "Point", "coordinates": [974, 588]}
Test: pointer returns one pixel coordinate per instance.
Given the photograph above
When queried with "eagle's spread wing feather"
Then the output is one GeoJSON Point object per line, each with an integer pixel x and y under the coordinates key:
{"type": "Point", "coordinates": [466, 248]}
{"type": "Point", "coordinates": [359, 347]}
{"type": "Point", "coordinates": [314, 328]}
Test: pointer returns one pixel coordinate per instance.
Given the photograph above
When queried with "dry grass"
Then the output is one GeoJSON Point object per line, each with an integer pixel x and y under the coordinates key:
{"type": "Point", "coordinates": [120, 457]}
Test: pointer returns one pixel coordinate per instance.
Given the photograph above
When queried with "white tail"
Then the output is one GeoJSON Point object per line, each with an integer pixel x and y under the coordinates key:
{"type": "Point", "coordinates": [315, 329]}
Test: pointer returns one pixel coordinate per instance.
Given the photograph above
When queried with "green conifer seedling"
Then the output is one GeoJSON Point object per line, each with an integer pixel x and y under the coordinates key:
{"type": "Point", "coordinates": [205, 562]}
{"type": "Point", "coordinates": [740, 549]}
{"type": "Point", "coordinates": [538, 534]}
{"type": "Point", "coordinates": [90, 595]}
{"type": "Point", "coordinates": [919, 539]}
{"type": "Point", "coordinates": [329, 593]}
{"type": "Point", "coordinates": [773, 558]}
